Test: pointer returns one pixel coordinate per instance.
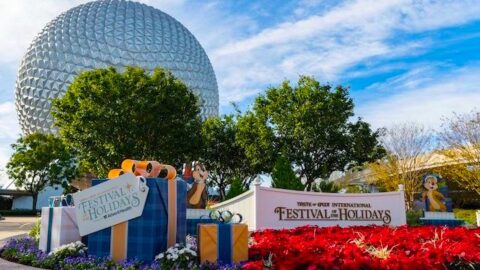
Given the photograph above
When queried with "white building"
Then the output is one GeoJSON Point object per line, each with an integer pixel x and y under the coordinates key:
{"type": "Point", "coordinates": [25, 202]}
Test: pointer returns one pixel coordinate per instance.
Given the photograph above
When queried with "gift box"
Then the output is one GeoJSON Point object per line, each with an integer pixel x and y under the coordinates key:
{"type": "Point", "coordinates": [146, 236]}
{"type": "Point", "coordinates": [58, 227]}
{"type": "Point", "coordinates": [223, 242]}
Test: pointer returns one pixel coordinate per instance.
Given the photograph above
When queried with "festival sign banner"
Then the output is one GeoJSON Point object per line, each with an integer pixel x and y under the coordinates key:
{"type": "Point", "coordinates": [286, 209]}
{"type": "Point", "coordinates": [272, 208]}
{"type": "Point", "coordinates": [110, 203]}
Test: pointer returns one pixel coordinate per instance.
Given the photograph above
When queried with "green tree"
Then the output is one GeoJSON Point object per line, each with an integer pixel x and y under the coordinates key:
{"type": "Point", "coordinates": [223, 156]}
{"type": "Point", "coordinates": [236, 188]}
{"type": "Point", "coordinates": [310, 124]}
{"type": "Point", "coordinates": [284, 177]}
{"type": "Point", "coordinates": [325, 186]}
{"type": "Point", "coordinates": [109, 116]}
{"type": "Point", "coordinates": [40, 160]}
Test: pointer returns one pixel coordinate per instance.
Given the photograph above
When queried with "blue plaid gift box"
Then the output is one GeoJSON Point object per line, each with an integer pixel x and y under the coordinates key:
{"type": "Point", "coordinates": [147, 234]}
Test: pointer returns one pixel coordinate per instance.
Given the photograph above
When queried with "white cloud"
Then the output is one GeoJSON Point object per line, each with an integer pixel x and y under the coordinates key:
{"type": "Point", "coordinates": [428, 15]}
{"type": "Point", "coordinates": [345, 16]}
{"type": "Point", "coordinates": [9, 132]}
{"type": "Point", "coordinates": [247, 58]}
{"type": "Point", "coordinates": [328, 44]}
{"type": "Point", "coordinates": [424, 96]}
{"type": "Point", "coordinates": [21, 20]}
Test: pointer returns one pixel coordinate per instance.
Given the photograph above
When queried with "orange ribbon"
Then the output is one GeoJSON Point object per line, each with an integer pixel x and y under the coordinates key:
{"type": "Point", "coordinates": [172, 210]}
{"type": "Point", "coordinates": [118, 239]}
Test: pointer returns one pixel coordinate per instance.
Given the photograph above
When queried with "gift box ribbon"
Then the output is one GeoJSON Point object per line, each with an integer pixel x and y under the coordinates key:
{"type": "Point", "coordinates": [225, 216]}
{"type": "Point", "coordinates": [49, 231]}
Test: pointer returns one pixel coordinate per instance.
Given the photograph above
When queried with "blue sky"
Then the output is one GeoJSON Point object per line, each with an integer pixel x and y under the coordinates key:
{"type": "Point", "coordinates": [403, 60]}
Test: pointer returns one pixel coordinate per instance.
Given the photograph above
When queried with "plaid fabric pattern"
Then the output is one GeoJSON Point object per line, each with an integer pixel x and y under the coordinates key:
{"type": "Point", "coordinates": [147, 234]}
{"type": "Point", "coordinates": [193, 223]}
{"type": "Point", "coordinates": [64, 227]}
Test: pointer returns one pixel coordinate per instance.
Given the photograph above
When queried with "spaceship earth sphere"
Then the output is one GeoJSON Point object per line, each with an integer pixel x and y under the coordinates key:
{"type": "Point", "coordinates": [101, 34]}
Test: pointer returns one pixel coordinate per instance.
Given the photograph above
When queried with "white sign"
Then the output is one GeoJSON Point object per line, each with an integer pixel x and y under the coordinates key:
{"type": "Point", "coordinates": [264, 208]}
{"type": "Point", "coordinates": [110, 203]}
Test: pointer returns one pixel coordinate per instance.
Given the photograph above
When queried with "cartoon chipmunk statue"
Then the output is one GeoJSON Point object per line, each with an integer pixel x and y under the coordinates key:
{"type": "Point", "coordinates": [197, 196]}
{"type": "Point", "coordinates": [433, 199]}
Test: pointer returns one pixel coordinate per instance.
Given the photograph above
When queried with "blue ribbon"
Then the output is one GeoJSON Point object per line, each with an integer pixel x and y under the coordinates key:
{"type": "Point", "coordinates": [224, 242]}
{"type": "Point", "coordinates": [49, 231]}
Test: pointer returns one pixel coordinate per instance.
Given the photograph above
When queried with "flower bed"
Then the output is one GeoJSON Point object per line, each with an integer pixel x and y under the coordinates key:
{"type": "Point", "coordinates": [74, 257]}
{"type": "Point", "coordinates": [372, 247]}
{"type": "Point", "coordinates": [309, 247]}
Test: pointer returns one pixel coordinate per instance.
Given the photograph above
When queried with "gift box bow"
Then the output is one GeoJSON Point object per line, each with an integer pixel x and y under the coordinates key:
{"type": "Point", "coordinates": [145, 168]}
{"type": "Point", "coordinates": [59, 201]}
{"type": "Point", "coordinates": [225, 216]}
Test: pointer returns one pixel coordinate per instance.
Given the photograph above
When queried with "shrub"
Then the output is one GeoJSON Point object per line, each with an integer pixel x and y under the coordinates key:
{"type": "Point", "coordinates": [35, 231]}
{"type": "Point", "coordinates": [177, 257]}
{"type": "Point", "coordinates": [18, 212]}
{"type": "Point", "coordinates": [413, 217]}
{"type": "Point", "coordinates": [236, 188]}
{"type": "Point", "coordinates": [284, 177]}
{"type": "Point", "coordinates": [467, 215]}
{"type": "Point", "coordinates": [69, 250]}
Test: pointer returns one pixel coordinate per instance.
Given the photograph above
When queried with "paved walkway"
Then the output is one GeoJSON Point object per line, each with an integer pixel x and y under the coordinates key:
{"type": "Point", "coordinates": [12, 226]}
{"type": "Point", "coordinates": [15, 226]}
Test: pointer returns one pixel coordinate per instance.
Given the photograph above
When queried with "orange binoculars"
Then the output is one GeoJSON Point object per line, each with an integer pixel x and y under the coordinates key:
{"type": "Point", "coordinates": [144, 168]}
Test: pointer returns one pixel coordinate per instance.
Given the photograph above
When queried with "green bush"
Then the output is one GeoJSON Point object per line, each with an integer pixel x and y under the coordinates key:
{"type": "Point", "coordinates": [326, 186]}
{"type": "Point", "coordinates": [236, 188]}
{"type": "Point", "coordinates": [35, 231]}
{"type": "Point", "coordinates": [413, 217]}
{"type": "Point", "coordinates": [284, 177]}
{"type": "Point", "coordinates": [69, 250]}
{"type": "Point", "coordinates": [356, 189]}
{"type": "Point", "coordinates": [19, 212]}
{"type": "Point", "coordinates": [467, 215]}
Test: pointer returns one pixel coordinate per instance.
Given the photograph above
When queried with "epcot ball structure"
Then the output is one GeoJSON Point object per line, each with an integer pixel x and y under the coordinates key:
{"type": "Point", "coordinates": [101, 34]}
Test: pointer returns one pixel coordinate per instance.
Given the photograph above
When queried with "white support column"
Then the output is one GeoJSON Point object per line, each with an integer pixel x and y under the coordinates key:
{"type": "Point", "coordinates": [401, 190]}
{"type": "Point", "coordinates": [256, 202]}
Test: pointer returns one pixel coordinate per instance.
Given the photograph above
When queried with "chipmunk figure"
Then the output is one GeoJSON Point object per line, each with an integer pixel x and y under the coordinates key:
{"type": "Point", "coordinates": [197, 196]}
{"type": "Point", "coordinates": [432, 197]}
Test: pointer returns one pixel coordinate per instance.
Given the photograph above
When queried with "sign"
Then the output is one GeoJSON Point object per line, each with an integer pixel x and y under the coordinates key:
{"type": "Point", "coordinates": [273, 208]}
{"type": "Point", "coordinates": [278, 208]}
{"type": "Point", "coordinates": [110, 203]}
{"type": "Point", "coordinates": [328, 211]}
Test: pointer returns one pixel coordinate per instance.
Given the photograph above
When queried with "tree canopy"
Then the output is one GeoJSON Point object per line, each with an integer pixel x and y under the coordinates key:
{"type": "Point", "coordinates": [408, 148]}
{"type": "Point", "coordinates": [223, 156]}
{"type": "Point", "coordinates": [39, 160]}
{"type": "Point", "coordinates": [460, 137]}
{"type": "Point", "coordinates": [310, 124]}
{"type": "Point", "coordinates": [109, 116]}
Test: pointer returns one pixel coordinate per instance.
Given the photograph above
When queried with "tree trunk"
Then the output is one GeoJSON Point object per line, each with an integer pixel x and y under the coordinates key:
{"type": "Point", "coordinates": [34, 201]}
{"type": "Point", "coordinates": [222, 193]}
{"type": "Point", "coordinates": [308, 185]}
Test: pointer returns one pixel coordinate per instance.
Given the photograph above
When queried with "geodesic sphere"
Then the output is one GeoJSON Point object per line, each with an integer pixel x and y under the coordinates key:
{"type": "Point", "coordinates": [108, 33]}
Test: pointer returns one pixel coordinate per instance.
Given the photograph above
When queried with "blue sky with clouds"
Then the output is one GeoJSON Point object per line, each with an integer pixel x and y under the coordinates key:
{"type": "Point", "coordinates": [404, 60]}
